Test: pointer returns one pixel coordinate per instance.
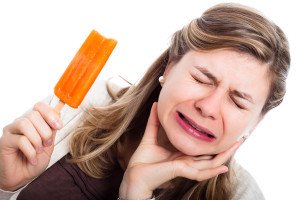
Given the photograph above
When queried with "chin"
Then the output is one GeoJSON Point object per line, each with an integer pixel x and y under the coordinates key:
{"type": "Point", "coordinates": [188, 148]}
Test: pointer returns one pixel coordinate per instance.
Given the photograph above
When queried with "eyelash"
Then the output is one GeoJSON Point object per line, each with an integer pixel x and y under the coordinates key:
{"type": "Point", "coordinates": [238, 105]}
{"type": "Point", "coordinates": [235, 103]}
{"type": "Point", "coordinates": [199, 81]}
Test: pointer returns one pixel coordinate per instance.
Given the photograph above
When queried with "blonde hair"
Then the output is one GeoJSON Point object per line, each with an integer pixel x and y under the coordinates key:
{"type": "Point", "coordinates": [96, 144]}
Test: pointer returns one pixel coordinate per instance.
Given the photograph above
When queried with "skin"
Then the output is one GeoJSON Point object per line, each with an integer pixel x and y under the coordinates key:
{"type": "Point", "coordinates": [166, 150]}
{"type": "Point", "coordinates": [210, 103]}
{"type": "Point", "coordinates": [27, 145]}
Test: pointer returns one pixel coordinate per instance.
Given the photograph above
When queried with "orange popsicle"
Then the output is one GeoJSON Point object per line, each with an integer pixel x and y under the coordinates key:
{"type": "Point", "coordinates": [83, 70]}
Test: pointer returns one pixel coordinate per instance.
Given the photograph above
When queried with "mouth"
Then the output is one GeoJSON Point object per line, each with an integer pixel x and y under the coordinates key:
{"type": "Point", "coordinates": [194, 129]}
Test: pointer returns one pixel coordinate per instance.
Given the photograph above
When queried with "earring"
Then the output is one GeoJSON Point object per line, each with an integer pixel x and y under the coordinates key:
{"type": "Point", "coordinates": [161, 79]}
{"type": "Point", "coordinates": [246, 136]}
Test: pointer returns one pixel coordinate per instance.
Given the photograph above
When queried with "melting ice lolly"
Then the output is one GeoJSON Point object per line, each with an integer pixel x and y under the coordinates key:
{"type": "Point", "coordinates": [83, 70]}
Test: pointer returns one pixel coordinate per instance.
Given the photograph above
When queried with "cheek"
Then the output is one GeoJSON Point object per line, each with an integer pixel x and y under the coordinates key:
{"type": "Point", "coordinates": [172, 95]}
{"type": "Point", "coordinates": [169, 95]}
{"type": "Point", "coordinates": [236, 125]}
{"type": "Point", "coordinates": [176, 91]}
{"type": "Point", "coordinates": [163, 105]}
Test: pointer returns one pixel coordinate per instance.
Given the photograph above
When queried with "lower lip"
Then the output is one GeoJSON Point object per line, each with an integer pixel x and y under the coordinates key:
{"type": "Point", "coordinates": [193, 132]}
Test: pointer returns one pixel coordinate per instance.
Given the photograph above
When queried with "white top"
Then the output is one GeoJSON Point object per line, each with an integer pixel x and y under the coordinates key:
{"type": "Point", "coordinates": [98, 96]}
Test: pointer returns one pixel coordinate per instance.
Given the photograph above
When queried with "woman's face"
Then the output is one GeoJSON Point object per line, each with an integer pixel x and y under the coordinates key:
{"type": "Point", "coordinates": [211, 99]}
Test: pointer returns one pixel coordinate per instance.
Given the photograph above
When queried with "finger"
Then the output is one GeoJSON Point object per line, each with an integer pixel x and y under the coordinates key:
{"type": "Point", "coordinates": [206, 157]}
{"type": "Point", "coordinates": [200, 175]}
{"type": "Point", "coordinates": [49, 115]}
{"type": "Point", "coordinates": [207, 161]}
{"type": "Point", "coordinates": [164, 172]}
{"type": "Point", "coordinates": [23, 126]}
{"type": "Point", "coordinates": [150, 135]}
{"type": "Point", "coordinates": [21, 142]}
{"type": "Point", "coordinates": [221, 158]}
{"type": "Point", "coordinates": [43, 129]}
{"type": "Point", "coordinates": [194, 172]}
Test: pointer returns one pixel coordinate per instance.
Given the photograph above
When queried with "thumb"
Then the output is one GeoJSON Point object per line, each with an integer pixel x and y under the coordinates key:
{"type": "Point", "coordinates": [150, 135]}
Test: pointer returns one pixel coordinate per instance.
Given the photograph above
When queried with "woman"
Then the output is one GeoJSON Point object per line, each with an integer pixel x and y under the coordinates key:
{"type": "Point", "coordinates": [173, 135]}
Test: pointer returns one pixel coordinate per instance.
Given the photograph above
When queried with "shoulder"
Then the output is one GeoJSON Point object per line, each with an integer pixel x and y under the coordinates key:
{"type": "Point", "coordinates": [247, 188]}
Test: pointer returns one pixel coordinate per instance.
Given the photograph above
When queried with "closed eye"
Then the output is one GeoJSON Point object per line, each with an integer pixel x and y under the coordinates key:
{"type": "Point", "coordinates": [201, 81]}
{"type": "Point", "coordinates": [237, 104]}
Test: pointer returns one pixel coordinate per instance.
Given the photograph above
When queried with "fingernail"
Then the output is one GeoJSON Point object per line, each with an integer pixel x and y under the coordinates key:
{"type": "Point", "coordinates": [49, 142]}
{"type": "Point", "coordinates": [34, 161]}
{"type": "Point", "coordinates": [244, 138]}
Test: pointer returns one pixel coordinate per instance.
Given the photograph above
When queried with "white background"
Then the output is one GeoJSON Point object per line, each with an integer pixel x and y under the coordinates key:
{"type": "Point", "coordinates": [39, 38]}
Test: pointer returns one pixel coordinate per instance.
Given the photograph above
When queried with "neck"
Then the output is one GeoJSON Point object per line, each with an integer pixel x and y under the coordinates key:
{"type": "Point", "coordinates": [164, 141]}
{"type": "Point", "coordinates": [128, 147]}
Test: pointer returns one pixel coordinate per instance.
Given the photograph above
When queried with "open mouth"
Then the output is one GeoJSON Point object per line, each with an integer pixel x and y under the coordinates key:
{"type": "Point", "coordinates": [194, 129]}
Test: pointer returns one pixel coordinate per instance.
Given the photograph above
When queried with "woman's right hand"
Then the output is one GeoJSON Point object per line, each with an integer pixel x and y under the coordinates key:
{"type": "Point", "coordinates": [152, 166]}
{"type": "Point", "coordinates": [26, 146]}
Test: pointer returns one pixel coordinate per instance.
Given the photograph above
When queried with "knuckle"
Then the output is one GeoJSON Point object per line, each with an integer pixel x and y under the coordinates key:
{"type": "Point", "coordinates": [22, 123]}
{"type": "Point", "coordinates": [36, 141]}
{"type": "Point", "coordinates": [213, 163]}
{"type": "Point", "coordinates": [46, 135]}
{"type": "Point", "coordinates": [46, 131]}
{"type": "Point", "coordinates": [216, 162]}
{"type": "Point", "coordinates": [5, 129]}
{"type": "Point", "coordinates": [22, 140]}
{"type": "Point", "coordinates": [32, 115]}
{"type": "Point", "coordinates": [38, 106]}
{"type": "Point", "coordinates": [10, 128]}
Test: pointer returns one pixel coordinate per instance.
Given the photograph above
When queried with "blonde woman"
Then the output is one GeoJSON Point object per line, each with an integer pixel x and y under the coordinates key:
{"type": "Point", "coordinates": [170, 136]}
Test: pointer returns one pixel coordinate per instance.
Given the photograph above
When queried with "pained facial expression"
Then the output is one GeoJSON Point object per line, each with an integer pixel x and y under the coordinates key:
{"type": "Point", "coordinates": [210, 99]}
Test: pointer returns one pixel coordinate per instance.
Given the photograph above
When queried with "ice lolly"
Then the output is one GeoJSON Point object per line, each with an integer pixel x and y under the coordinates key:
{"type": "Point", "coordinates": [83, 70]}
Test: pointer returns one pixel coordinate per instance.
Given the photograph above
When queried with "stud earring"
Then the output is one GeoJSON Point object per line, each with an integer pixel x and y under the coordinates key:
{"type": "Point", "coordinates": [246, 136]}
{"type": "Point", "coordinates": [161, 79]}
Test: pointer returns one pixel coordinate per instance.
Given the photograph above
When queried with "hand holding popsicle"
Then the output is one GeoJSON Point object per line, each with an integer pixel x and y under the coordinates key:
{"type": "Point", "coordinates": [27, 144]}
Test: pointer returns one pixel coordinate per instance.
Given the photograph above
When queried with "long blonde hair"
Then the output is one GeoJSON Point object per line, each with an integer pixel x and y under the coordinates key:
{"type": "Point", "coordinates": [95, 145]}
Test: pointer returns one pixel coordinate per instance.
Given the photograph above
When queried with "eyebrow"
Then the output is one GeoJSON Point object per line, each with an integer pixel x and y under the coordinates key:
{"type": "Point", "coordinates": [243, 95]}
{"type": "Point", "coordinates": [208, 74]}
{"type": "Point", "coordinates": [237, 93]}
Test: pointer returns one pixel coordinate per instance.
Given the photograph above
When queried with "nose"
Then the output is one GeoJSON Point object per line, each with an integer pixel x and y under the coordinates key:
{"type": "Point", "coordinates": [209, 105]}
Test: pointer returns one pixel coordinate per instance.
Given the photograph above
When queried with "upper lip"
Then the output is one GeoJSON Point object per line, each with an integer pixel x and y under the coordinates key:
{"type": "Point", "coordinates": [192, 122]}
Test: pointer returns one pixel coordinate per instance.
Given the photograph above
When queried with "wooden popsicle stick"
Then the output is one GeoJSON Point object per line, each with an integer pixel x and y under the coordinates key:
{"type": "Point", "coordinates": [59, 106]}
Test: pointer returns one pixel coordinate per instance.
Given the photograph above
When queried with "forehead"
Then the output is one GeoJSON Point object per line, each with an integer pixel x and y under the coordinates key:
{"type": "Point", "coordinates": [226, 60]}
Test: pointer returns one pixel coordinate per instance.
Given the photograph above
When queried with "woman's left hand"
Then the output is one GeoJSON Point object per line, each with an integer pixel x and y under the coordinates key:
{"type": "Point", "coordinates": [152, 165]}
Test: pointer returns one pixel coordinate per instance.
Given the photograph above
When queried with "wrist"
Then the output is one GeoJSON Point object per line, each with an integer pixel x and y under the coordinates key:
{"type": "Point", "coordinates": [127, 192]}
{"type": "Point", "coordinates": [132, 190]}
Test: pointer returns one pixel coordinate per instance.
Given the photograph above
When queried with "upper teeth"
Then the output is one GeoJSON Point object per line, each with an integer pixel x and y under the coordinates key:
{"type": "Point", "coordinates": [198, 128]}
